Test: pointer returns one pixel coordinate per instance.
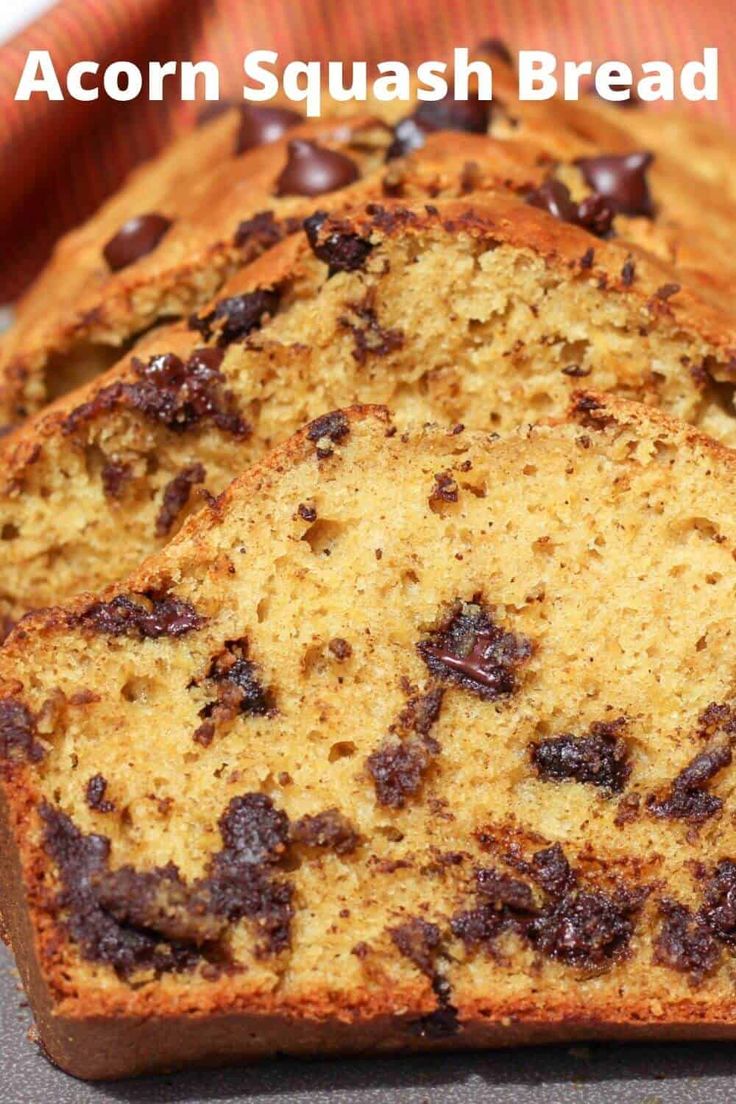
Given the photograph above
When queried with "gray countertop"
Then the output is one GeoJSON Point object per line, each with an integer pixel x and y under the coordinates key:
{"type": "Point", "coordinates": [697, 1074]}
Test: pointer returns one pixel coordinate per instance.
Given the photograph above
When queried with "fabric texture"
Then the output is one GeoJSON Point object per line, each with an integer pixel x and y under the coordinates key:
{"type": "Point", "coordinates": [58, 160]}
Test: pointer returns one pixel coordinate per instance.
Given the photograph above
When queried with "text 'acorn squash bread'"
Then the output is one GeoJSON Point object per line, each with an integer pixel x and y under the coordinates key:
{"type": "Point", "coordinates": [411, 739]}
{"type": "Point", "coordinates": [486, 311]}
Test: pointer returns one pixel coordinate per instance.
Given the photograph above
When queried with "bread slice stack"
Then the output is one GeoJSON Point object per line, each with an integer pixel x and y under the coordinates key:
{"type": "Point", "coordinates": [367, 541]}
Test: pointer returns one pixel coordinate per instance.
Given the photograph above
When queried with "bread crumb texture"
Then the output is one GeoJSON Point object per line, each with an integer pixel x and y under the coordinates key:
{"type": "Point", "coordinates": [430, 724]}
{"type": "Point", "coordinates": [487, 313]}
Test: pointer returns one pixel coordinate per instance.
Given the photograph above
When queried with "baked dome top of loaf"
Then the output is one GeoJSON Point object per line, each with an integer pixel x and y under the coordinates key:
{"type": "Point", "coordinates": [197, 200]}
{"type": "Point", "coordinates": [427, 720]}
{"type": "Point", "coordinates": [484, 310]}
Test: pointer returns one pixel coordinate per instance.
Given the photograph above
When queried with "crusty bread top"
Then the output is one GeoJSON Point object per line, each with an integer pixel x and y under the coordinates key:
{"type": "Point", "coordinates": [426, 721]}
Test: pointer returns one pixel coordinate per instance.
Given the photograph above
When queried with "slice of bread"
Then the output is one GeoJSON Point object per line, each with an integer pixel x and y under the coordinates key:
{"type": "Point", "coordinates": [485, 311]}
{"type": "Point", "coordinates": [412, 739]}
{"type": "Point", "coordinates": [80, 313]}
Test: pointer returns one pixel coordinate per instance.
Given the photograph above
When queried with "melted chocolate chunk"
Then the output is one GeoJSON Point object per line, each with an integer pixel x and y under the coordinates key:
{"type": "Point", "coordinates": [259, 233]}
{"type": "Point", "coordinates": [81, 860]}
{"type": "Point", "coordinates": [504, 893]}
{"type": "Point", "coordinates": [237, 316]}
{"type": "Point", "coordinates": [587, 929]}
{"type": "Point", "coordinates": [717, 717]}
{"type": "Point", "coordinates": [472, 652]}
{"type": "Point", "coordinates": [421, 712]}
{"type": "Point", "coordinates": [161, 615]}
{"type": "Point", "coordinates": [306, 512]}
{"type": "Point", "coordinates": [628, 272]}
{"type": "Point", "coordinates": [550, 869]}
{"type": "Point", "coordinates": [622, 180]}
{"type": "Point", "coordinates": [370, 338]}
{"type": "Point", "coordinates": [331, 830]}
{"type": "Point", "coordinates": [261, 125]}
{"type": "Point", "coordinates": [688, 798]}
{"type": "Point", "coordinates": [160, 901]}
{"type": "Point", "coordinates": [253, 831]}
{"type": "Point", "coordinates": [472, 116]}
{"type": "Point", "coordinates": [397, 769]}
{"type": "Point", "coordinates": [333, 426]}
{"type": "Point", "coordinates": [94, 794]}
{"type": "Point", "coordinates": [684, 943]}
{"type": "Point", "coordinates": [417, 940]}
{"type": "Point", "coordinates": [340, 649]}
{"type": "Point", "coordinates": [340, 249]}
{"type": "Point", "coordinates": [115, 475]}
{"type": "Point", "coordinates": [239, 689]}
{"type": "Point", "coordinates": [176, 495]}
{"type": "Point", "coordinates": [135, 239]}
{"type": "Point", "coordinates": [594, 213]}
{"type": "Point", "coordinates": [554, 197]}
{"type": "Point", "coordinates": [504, 904]}
{"type": "Point", "coordinates": [239, 883]}
{"type": "Point", "coordinates": [599, 759]}
{"type": "Point", "coordinates": [312, 170]}
{"type": "Point", "coordinates": [719, 902]}
{"type": "Point", "coordinates": [175, 393]}
{"type": "Point", "coordinates": [18, 733]}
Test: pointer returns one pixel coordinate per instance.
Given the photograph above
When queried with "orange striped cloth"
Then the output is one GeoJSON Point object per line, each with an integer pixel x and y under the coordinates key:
{"type": "Point", "coordinates": [59, 160]}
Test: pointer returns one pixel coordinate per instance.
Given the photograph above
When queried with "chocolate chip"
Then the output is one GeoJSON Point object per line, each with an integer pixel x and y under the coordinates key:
{"type": "Point", "coordinates": [159, 900]}
{"type": "Point", "coordinates": [334, 427]}
{"type": "Point", "coordinates": [81, 859]}
{"type": "Point", "coordinates": [587, 929]}
{"type": "Point", "coordinates": [586, 261]}
{"type": "Point", "coordinates": [176, 495]}
{"type": "Point", "coordinates": [259, 233]}
{"type": "Point", "coordinates": [135, 239]}
{"type": "Point", "coordinates": [330, 830]}
{"type": "Point", "coordinates": [445, 489]}
{"type": "Point", "coordinates": [628, 272]}
{"type": "Point", "coordinates": [472, 116]}
{"type": "Point", "coordinates": [684, 943]}
{"type": "Point", "coordinates": [306, 513]}
{"type": "Point", "coordinates": [576, 371]}
{"type": "Point", "coordinates": [261, 125]}
{"type": "Point", "coordinates": [239, 688]}
{"type": "Point", "coordinates": [472, 652]}
{"type": "Point", "coordinates": [168, 390]}
{"type": "Point", "coordinates": [688, 798]}
{"type": "Point", "coordinates": [369, 337]}
{"type": "Point", "coordinates": [18, 733]}
{"type": "Point", "coordinates": [339, 248]}
{"type": "Point", "coordinates": [237, 316]}
{"type": "Point", "coordinates": [115, 474]}
{"type": "Point", "coordinates": [417, 940]}
{"type": "Point", "coordinates": [312, 170]}
{"type": "Point", "coordinates": [594, 213]}
{"type": "Point", "coordinates": [550, 869]}
{"type": "Point", "coordinates": [599, 759]}
{"type": "Point", "coordinates": [151, 616]}
{"type": "Point", "coordinates": [421, 712]}
{"type": "Point", "coordinates": [554, 197]}
{"type": "Point", "coordinates": [397, 769]}
{"type": "Point", "coordinates": [718, 911]}
{"type": "Point", "coordinates": [94, 794]}
{"type": "Point", "coordinates": [622, 180]}
{"type": "Point", "coordinates": [340, 648]}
